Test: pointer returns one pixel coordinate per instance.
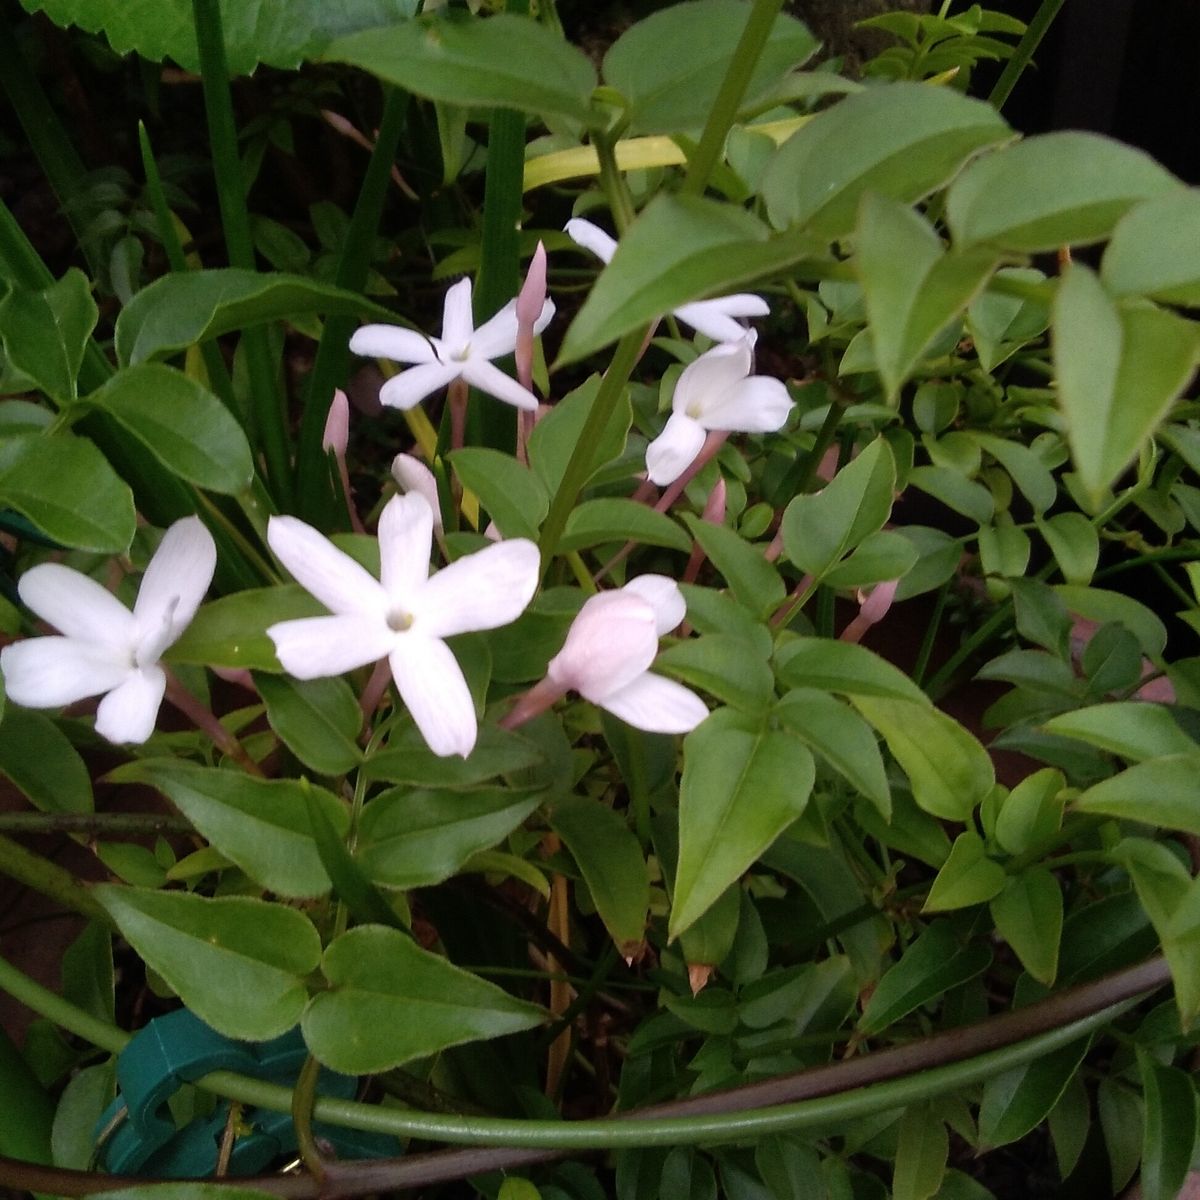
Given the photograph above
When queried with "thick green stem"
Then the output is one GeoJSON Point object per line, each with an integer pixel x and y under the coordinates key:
{"type": "Point", "coordinates": [1024, 52]}
{"type": "Point", "coordinates": [725, 108]}
{"type": "Point", "coordinates": [49, 878]}
{"type": "Point", "coordinates": [616, 191]}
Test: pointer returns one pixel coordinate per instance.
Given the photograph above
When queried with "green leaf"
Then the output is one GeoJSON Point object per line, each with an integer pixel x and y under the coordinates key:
{"type": "Point", "coordinates": [390, 1002]}
{"type": "Point", "coordinates": [64, 485]}
{"type": "Point", "coordinates": [1121, 1117]}
{"type": "Point", "coordinates": [820, 529]}
{"type": "Point", "coordinates": [1032, 811]}
{"type": "Point", "coordinates": [1155, 250]}
{"type": "Point", "coordinates": [1119, 371]}
{"type": "Point", "coordinates": [413, 837]}
{"type": "Point", "coordinates": [237, 963]}
{"type": "Point", "coordinates": [318, 720]}
{"type": "Point", "coordinates": [261, 825]}
{"type": "Point", "coordinates": [913, 288]}
{"type": "Point", "coordinates": [510, 492]}
{"type": "Point", "coordinates": [40, 761]}
{"type": "Point", "coordinates": [1159, 792]}
{"type": "Point", "coordinates": [1000, 323]}
{"type": "Point", "coordinates": [1018, 1100]}
{"type": "Point", "coordinates": [1069, 1121]}
{"type": "Point", "coordinates": [181, 423]}
{"type": "Point", "coordinates": [610, 858]}
{"type": "Point", "coordinates": [1169, 1136]}
{"type": "Point", "coordinates": [921, 1152]}
{"type": "Point", "coordinates": [177, 311]}
{"type": "Point", "coordinates": [722, 665]}
{"type": "Point", "coordinates": [1102, 606]}
{"type": "Point", "coordinates": [1075, 544]}
{"type": "Point", "coordinates": [739, 791]}
{"type": "Point", "coordinates": [83, 1100]}
{"type": "Point", "coordinates": [280, 34]}
{"type": "Point", "coordinates": [754, 582]}
{"type": "Point", "coordinates": [616, 519]}
{"type": "Point", "coordinates": [1134, 729]}
{"type": "Point", "coordinates": [674, 91]}
{"type": "Point", "coordinates": [841, 737]}
{"type": "Point", "coordinates": [1028, 471]}
{"type": "Point", "coordinates": [845, 668]}
{"type": "Point", "coordinates": [967, 877]}
{"type": "Point", "coordinates": [1056, 189]}
{"type": "Point", "coordinates": [950, 772]}
{"type": "Point", "coordinates": [1029, 917]}
{"type": "Point", "coordinates": [931, 966]}
{"type": "Point", "coordinates": [555, 436]}
{"type": "Point", "coordinates": [902, 141]}
{"type": "Point", "coordinates": [44, 333]}
{"type": "Point", "coordinates": [679, 249]}
{"type": "Point", "coordinates": [408, 759]}
{"type": "Point", "coordinates": [231, 631]}
{"type": "Point", "coordinates": [880, 557]}
{"type": "Point", "coordinates": [955, 491]}
{"type": "Point", "coordinates": [477, 64]}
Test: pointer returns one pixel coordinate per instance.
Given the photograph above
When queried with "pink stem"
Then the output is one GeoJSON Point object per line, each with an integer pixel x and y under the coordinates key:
{"type": "Point", "coordinates": [376, 686]}
{"type": "Point", "coordinates": [533, 703]}
{"type": "Point", "coordinates": [203, 719]}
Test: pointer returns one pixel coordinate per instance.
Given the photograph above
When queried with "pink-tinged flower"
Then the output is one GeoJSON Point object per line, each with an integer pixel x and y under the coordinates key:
{"type": "Point", "coordinates": [104, 649]}
{"type": "Point", "coordinates": [462, 352]}
{"type": "Point", "coordinates": [716, 318]}
{"type": "Point", "coordinates": [405, 615]}
{"type": "Point", "coordinates": [610, 647]}
{"type": "Point", "coordinates": [414, 477]}
{"type": "Point", "coordinates": [716, 392]}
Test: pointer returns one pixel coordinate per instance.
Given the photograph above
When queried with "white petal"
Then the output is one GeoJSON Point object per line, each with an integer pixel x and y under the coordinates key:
{"type": "Point", "coordinates": [413, 476]}
{"type": "Point", "coordinates": [128, 712]}
{"type": "Point", "coordinates": [458, 325]}
{"type": "Point", "coordinates": [715, 318]}
{"type": "Point", "coordinates": [77, 605]}
{"type": "Point", "coordinates": [708, 380]}
{"type": "Point", "coordinates": [663, 595]}
{"type": "Point", "coordinates": [46, 672]}
{"type": "Point", "coordinates": [674, 450]}
{"type": "Point", "coordinates": [483, 590]}
{"type": "Point", "coordinates": [497, 336]}
{"type": "Point", "coordinates": [340, 583]}
{"type": "Point", "coordinates": [481, 374]}
{"type": "Point", "coordinates": [591, 237]}
{"type": "Point", "coordinates": [657, 705]}
{"type": "Point", "coordinates": [394, 342]}
{"type": "Point", "coordinates": [612, 640]}
{"type": "Point", "coordinates": [175, 582]}
{"type": "Point", "coordinates": [314, 647]}
{"type": "Point", "coordinates": [405, 539]}
{"type": "Point", "coordinates": [433, 689]}
{"type": "Point", "coordinates": [759, 404]}
{"type": "Point", "coordinates": [410, 387]}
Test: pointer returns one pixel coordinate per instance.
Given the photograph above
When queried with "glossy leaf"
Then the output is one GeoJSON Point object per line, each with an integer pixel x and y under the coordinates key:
{"type": "Point", "coordinates": [679, 249]}
{"type": "Point", "coordinates": [967, 877]}
{"type": "Point", "coordinates": [317, 719]}
{"type": "Point", "coordinates": [181, 310]}
{"type": "Point", "coordinates": [1169, 1137]}
{"type": "Point", "coordinates": [1119, 371]}
{"type": "Point", "coordinates": [845, 668]}
{"type": "Point", "coordinates": [724, 666]}
{"type": "Point", "coordinates": [1056, 189]}
{"type": "Point", "coordinates": [1019, 1099]}
{"type": "Point", "coordinates": [415, 837]}
{"type": "Point", "coordinates": [673, 91]}
{"type": "Point", "coordinates": [237, 963]}
{"type": "Point", "coordinates": [913, 287]}
{"type": "Point", "coordinates": [473, 63]}
{"type": "Point", "coordinates": [616, 519]}
{"type": "Point", "coordinates": [1154, 250]}
{"type": "Point", "coordinates": [1161, 791]}
{"type": "Point", "coordinates": [181, 423]}
{"type": "Point", "coordinates": [44, 333]}
{"type": "Point", "coordinates": [390, 1002]}
{"type": "Point", "coordinates": [66, 488]}
{"type": "Point", "coordinates": [39, 760]}
{"type": "Point", "coordinates": [261, 825]}
{"type": "Point", "coordinates": [901, 141]}
{"type": "Point", "coordinates": [1029, 917]}
{"type": "Point", "coordinates": [738, 793]}
{"type": "Point", "coordinates": [613, 867]}
{"type": "Point", "coordinates": [231, 632]}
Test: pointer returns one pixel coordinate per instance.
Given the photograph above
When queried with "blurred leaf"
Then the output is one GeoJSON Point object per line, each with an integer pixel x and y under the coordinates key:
{"type": "Point", "coordinates": [1155, 250]}
{"type": "Point", "coordinates": [1169, 1137]}
{"type": "Point", "coordinates": [1069, 1121]}
{"type": "Point", "coordinates": [921, 1153]}
{"type": "Point", "coordinates": [38, 758]}
{"type": "Point", "coordinates": [1121, 1117]}
{"type": "Point", "coordinates": [1032, 811]}
{"type": "Point", "coordinates": [44, 333]}
{"type": "Point", "coordinates": [407, 759]}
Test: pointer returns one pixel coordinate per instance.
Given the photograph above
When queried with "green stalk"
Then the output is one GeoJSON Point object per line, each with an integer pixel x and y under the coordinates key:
{"type": "Point", "coordinates": [616, 190]}
{"type": "Point", "coordinates": [49, 878]}
{"type": "Point", "coordinates": [61, 1012]}
{"type": "Point", "coordinates": [1023, 55]}
{"type": "Point", "coordinates": [314, 493]}
{"type": "Point", "coordinates": [105, 824]}
{"type": "Point", "coordinates": [266, 407]}
{"type": "Point", "coordinates": [725, 108]}
{"type": "Point", "coordinates": [580, 464]}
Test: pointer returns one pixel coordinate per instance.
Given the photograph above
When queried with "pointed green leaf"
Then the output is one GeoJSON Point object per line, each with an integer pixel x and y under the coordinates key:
{"type": "Point", "coordinates": [555, 435]}
{"type": "Point", "coordinates": [44, 333]}
{"type": "Point", "coordinates": [510, 492]}
{"type": "Point", "coordinates": [1075, 544]}
{"type": "Point", "coordinates": [1161, 791]}
{"type": "Point", "coordinates": [967, 877]}
{"type": "Point", "coordinates": [921, 1152]}
{"type": "Point", "coordinates": [407, 759]}
{"type": "Point", "coordinates": [1155, 250]}
{"type": "Point", "coordinates": [724, 666]}
{"type": "Point", "coordinates": [317, 719]}
{"type": "Point", "coordinates": [1169, 1137]}
{"type": "Point", "coordinates": [754, 582]}
{"type": "Point", "coordinates": [617, 519]}
{"type": "Point", "coordinates": [844, 668]}
{"type": "Point", "coordinates": [39, 760]}
{"type": "Point", "coordinates": [1029, 917]}
{"type": "Point", "coordinates": [1018, 1100]}
{"type": "Point", "coordinates": [1134, 729]}
{"type": "Point", "coordinates": [1032, 811]}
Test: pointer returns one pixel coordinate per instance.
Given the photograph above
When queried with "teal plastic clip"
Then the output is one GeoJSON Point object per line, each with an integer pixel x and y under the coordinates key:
{"type": "Point", "coordinates": [179, 1048]}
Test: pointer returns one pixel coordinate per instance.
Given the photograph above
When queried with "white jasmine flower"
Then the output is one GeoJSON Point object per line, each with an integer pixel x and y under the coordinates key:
{"type": "Point", "coordinates": [462, 352]}
{"type": "Point", "coordinates": [404, 615]}
{"type": "Point", "coordinates": [104, 649]}
{"type": "Point", "coordinates": [716, 318]}
{"type": "Point", "coordinates": [610, 647]}
{"type": "Point", "coordinates": [715, 392]}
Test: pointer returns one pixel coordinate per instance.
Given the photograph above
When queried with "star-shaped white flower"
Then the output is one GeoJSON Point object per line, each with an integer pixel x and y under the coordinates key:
{"type": "Point", "coordinates": [716, 318]}
{"type": "Point", "coordinates": [462, 352]}
{"type": "Point", "coordinates": [715, 392]}
{"type": "Point", "coordinates": [104, 649]}
{"type": "Point", "coordinates": [609, 648]}
{"type": "Point", "coordinates": [404, 615]}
